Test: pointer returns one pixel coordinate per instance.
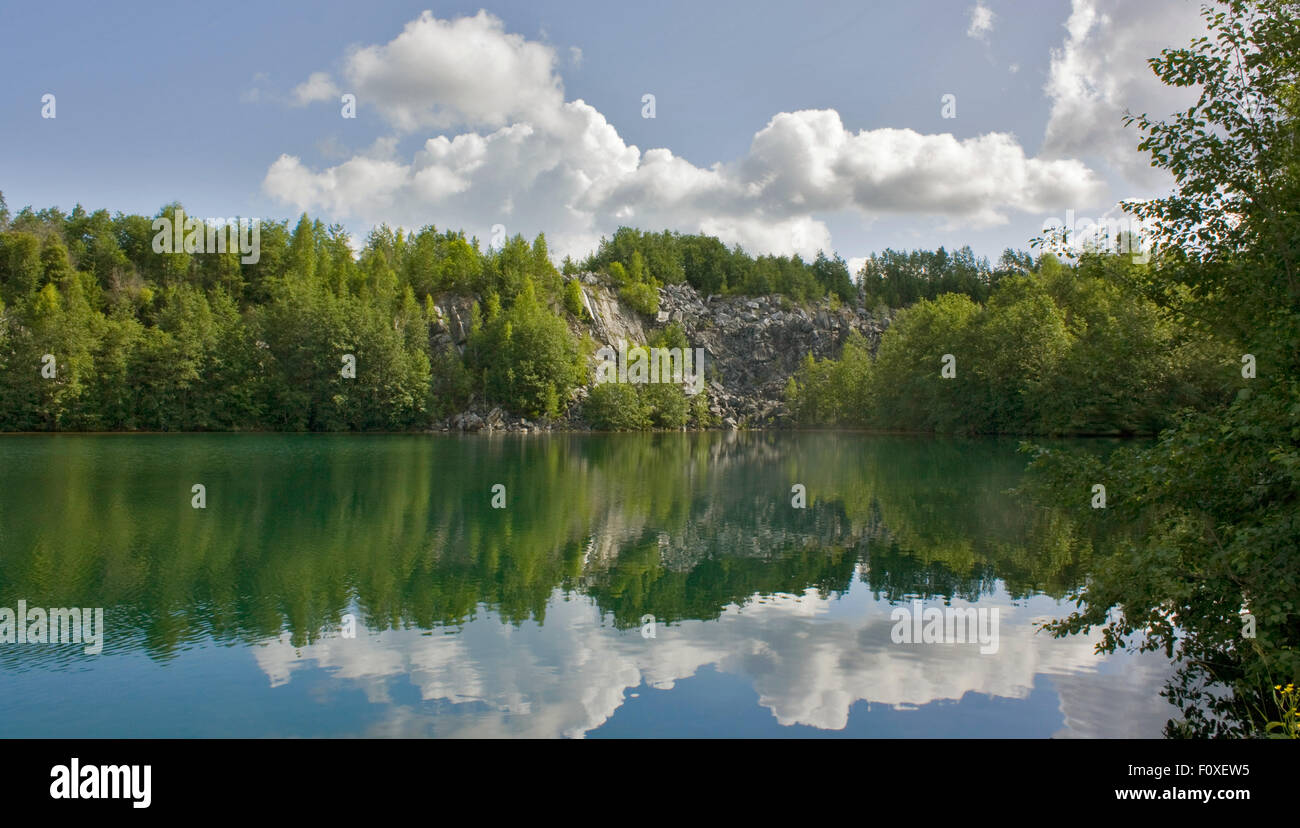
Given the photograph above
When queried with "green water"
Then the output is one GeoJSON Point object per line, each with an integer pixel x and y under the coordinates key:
{"type": "Point", "coordinates": [365, 585]}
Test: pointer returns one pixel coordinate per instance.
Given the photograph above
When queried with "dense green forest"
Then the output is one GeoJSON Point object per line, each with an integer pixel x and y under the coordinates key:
{"type": "Point", "coordinates": [203, 341]}
{"type": "Point", "coordinates": [891, 279]}
{"type": "Point", "coordinates": [188, 341]}
{"type": "Point", "coordinates": [898, 278]}
{"type": "Point", "coordinates": [709, 266]}
{"type": "Point", "coordinates": [1060, 349]}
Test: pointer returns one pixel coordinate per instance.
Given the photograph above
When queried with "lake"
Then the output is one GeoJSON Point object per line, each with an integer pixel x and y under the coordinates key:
{"type": "Point", "coordinates": [629, 585]}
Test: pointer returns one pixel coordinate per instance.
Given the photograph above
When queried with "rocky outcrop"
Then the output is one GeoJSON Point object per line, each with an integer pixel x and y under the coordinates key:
{"type": "Point", "coordinates": [450, 326]}
{"type": "Point", "coordinates": [611, 320]}
{"type": "Point", "coordinates": [494, 418]}
{"type": "Point", "coordinates": [752, 345]}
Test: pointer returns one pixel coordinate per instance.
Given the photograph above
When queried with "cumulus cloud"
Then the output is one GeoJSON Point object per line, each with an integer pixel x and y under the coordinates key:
{"type": "Point", "coordinates": [981, 21]}
{"type": "Point", "coordinates": [1101, 70]}
{"type": "Point", "coordinates": [808, 159]}
{"type": "Point", "coordinates": [439, 73]}
{"type": "Point", "coordinates": [544, 163]}
{"type": "Point", "coordinates": [317, 87]}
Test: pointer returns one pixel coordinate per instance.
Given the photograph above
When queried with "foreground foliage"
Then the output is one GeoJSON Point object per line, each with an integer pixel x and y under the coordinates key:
{"type": "Point", "coordinates": [1198, 536]}
{"type": "Point", "coordinates": [1206, 523]}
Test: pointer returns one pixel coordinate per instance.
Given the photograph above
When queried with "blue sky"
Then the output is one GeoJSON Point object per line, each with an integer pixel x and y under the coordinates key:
{"type": "Point", "coordinates": [791, 126]}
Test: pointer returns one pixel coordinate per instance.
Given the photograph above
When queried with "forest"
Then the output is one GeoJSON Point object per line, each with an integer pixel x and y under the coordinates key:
{"type": "Point", "coordinates": [104, 329]}
{"type": "Point", "coordinates": [1061, 348]}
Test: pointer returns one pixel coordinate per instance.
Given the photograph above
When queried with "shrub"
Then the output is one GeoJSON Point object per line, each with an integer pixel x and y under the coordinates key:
{"type": "Point", "coordinates": [666, 405]}
{"type": "Point", "coordinates": [529, 359]}
{"type": "Point", "coordinates": [641, 297]}
{"type": "Point", "coordinates": [573, 300]}
{"type": "Point", "coordinates": [615, 406]}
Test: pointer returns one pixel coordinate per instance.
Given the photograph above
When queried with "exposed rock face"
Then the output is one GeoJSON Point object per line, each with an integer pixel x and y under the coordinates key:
{"type": "Point", "coordinates": [612, 320]}
{"type": "Point", "coordinates": [752, 345]}
{"type": "Point", "coordinates": [451, 327]}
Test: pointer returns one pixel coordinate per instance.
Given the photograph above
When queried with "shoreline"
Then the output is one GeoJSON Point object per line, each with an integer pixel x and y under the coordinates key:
{"type": "Point", "coordinates": [580, 431]}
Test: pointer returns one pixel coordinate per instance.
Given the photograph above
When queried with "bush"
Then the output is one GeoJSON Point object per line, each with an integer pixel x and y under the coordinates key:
{"type": "Point", "coordinates": [666, 405]}
{"type": "Point", "coordinates": [573, 300]}
{"type": "Point", "coordinates": [833, 392]}
{"type": "Point", "coordinates": [528, 357]}
{"type": "Point", "coordinates": [908, 388]}
{"type": "Point", "coordinates": [641, 297]}
{"type": "Point", "coordinates": [615, 406]}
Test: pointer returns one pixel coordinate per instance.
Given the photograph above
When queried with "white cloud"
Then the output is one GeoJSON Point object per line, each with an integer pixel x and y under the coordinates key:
{"type": "Point", "coordinates": [437, 73]}
{"type": "Point", "coordinates": [563, 168]}
{"type": "Point", "coordinates": [317, 87]}
{"type": "Point", "coordinates": [808, 159]}
{"type": "Point", "coordinates": [1101, 70]}
{"type": "Point", "coordinates": [981, 21]}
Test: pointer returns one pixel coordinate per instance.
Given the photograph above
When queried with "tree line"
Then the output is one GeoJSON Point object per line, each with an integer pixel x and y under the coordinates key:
{"type": "Point", "coordinates": [194, 341]}
{"type": "Point", "coordinates": [185, 341]}
{"type": "Point", "coordinates": [1060, 349]}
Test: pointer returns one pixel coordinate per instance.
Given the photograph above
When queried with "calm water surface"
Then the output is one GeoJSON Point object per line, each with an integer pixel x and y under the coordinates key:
{"type": "Point", "coordinates": [528, 620]}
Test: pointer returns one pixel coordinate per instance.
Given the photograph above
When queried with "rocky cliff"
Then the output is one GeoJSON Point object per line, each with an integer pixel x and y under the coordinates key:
{"type": "Point", "coordinates": [752, 345]}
